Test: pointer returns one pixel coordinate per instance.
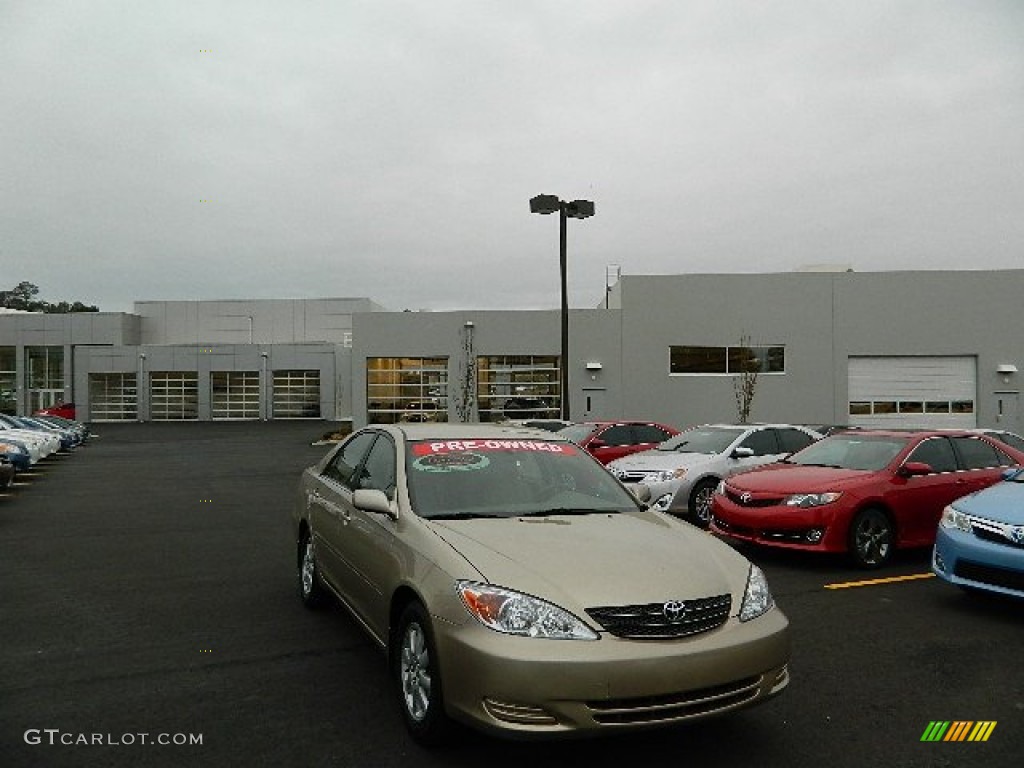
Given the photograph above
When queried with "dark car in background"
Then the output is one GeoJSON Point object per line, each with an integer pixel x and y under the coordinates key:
{"type": "Point", "coordinates": [865, 493]}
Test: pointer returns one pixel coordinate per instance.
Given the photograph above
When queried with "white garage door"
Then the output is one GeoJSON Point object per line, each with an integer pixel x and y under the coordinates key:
{"type": "Point", "coordinates": [930, 392]}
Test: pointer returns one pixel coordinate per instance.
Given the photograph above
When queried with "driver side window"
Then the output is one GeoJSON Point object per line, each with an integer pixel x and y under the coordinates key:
{"type": "Point", "coordinates": [348, 457]}
{"type": "Point", "coordinates": [378, 471]}
{"type": "Point", "coordinates": [937, 453]}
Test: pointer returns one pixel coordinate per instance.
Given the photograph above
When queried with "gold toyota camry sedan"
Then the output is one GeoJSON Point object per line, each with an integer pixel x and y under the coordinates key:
{"type": "Point", "coordinates": [516, 586]}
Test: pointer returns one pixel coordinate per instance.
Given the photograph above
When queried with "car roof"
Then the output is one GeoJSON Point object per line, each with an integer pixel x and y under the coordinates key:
{"type": "Point", "coordinates": [478, 431]}
{"type": "Point", "coordinates": [916, 432]}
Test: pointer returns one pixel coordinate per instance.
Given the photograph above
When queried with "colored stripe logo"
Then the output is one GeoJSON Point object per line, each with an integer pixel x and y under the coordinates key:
{"type": "Point", "coordinates": [958, 730]}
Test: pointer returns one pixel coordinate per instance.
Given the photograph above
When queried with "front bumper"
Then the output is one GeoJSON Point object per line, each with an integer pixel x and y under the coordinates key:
{"type": "Point", "coordinates": [818, 529]}
{"type": "Point", "coordinates": [963, 559]}
{"type": "Point", "coordinates": [527, 687]}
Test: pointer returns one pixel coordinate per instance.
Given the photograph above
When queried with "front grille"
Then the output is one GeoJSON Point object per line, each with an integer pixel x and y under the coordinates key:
{"type": "Point", "coordinates": [737, 499]}
{"type": "Point", "coordinates": [676, 706]}
{"type": "Point", "coordinates": [652, 622]}
{"type": "Point", "coordinates": [996, 533]}
{"type": "Point", "coordinates": [987, 574]}
{"type": "Point", "coordinates": [635, 476]}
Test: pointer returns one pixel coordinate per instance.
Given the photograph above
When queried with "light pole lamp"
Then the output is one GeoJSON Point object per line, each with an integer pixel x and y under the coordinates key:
{"type": "Point", "coordinates": [576, 209]}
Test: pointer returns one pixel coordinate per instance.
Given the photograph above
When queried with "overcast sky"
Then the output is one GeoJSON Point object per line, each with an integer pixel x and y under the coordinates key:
{"type": "Point", "coordinates": [389, 148]}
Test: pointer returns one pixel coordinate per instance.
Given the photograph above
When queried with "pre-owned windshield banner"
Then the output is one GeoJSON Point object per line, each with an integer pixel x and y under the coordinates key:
{"type": "Point", "coordinates": [483, 446]}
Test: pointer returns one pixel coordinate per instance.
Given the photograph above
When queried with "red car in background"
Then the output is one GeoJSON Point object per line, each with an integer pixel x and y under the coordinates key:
{"type": "Point", "coordinates": [610, 440]}
{"type": "Point", "coordinates": [865, 493]}
{"type": "Point", "coordinates": [64, 410]}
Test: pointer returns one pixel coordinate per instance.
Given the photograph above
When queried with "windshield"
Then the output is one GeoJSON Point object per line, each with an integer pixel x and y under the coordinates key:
{"type": "Point", "coordinates": [509, 478]}
{"type": "Point", "coordinates": [851, 451]}
{"type": "Point", "coordinates": [701, 440]}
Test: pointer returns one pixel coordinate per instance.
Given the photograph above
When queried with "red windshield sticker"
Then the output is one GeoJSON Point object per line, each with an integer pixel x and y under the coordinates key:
{"type": "Point", "coordinates": [482, 446]}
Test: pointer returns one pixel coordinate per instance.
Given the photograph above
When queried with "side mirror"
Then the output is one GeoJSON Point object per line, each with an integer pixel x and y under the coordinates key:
{"type": "Point", "coordinates": [372, 500]}
{"type": "Point", "coordinates": [596, 443]}
{"type": "Point", "coordinates": [742, 453]}
{"type": "Point", "coordinates": [640, 491]}
{"type": "Point", "coordinates": [1012, 473]}
{"type": "Point", "coordinates": [915, 468]}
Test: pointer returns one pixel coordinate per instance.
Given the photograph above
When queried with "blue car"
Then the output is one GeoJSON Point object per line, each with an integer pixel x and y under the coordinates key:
{"type": "Point", "coordinates": [16, 453]}
{"type": "Point", "coordinates": [980, 541]}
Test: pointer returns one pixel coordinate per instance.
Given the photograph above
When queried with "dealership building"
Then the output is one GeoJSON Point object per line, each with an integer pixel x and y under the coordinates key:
{"type": "Point", "coordinates": [905, 348]}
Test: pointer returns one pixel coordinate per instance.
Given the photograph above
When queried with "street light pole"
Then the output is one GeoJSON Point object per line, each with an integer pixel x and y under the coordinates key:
{"type": "Point", "coordinates": [577, 209]}
{"type": "Point", "coordinates": [563, 369]}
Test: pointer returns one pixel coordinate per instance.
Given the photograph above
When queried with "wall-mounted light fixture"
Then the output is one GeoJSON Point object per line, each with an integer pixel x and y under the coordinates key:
{"type": "Point", "coordinates": [594, 366]}
{"type": "Point", "coordinates": [1006, 368]}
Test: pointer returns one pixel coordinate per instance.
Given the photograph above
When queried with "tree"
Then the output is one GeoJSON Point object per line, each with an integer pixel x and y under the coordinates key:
{"type": "Point", "coordinates": [746, 365]}
{"type": "Point", "coordinates": [23, 296]}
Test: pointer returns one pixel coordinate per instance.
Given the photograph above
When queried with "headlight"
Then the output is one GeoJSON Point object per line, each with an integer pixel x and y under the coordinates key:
{"type": "Point", "coordinates": [811, 499]}
{"type": "Point", "coordinates": [514, 613]}
{"type": "Point", "coordinates": [757, 598]}
{"type": "Point", "coordinates": [952, 518]}
{"type": "Point", "coordinates": [663, 502]}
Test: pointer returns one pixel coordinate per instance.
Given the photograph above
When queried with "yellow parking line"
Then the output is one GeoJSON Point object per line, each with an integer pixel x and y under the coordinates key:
{"type": "Point", "coordinates": [872, 582]}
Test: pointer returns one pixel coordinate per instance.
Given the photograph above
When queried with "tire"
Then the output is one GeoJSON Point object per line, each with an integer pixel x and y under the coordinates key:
{"type": "Point", "coordinates": [311, 588]}
{"type": "Point", "coordinates": [700, 503]}
{"type": "Point", "coordinates": [418, 678]}
{"type": "Point", "coordinates": [872, 538]}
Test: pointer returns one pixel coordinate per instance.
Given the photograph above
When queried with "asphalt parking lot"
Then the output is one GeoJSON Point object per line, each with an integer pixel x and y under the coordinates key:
{"type": "Point", "coordinates": [147, 594]}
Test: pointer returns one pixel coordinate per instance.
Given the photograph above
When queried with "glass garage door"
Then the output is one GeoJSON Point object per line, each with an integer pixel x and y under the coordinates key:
{"type": "Point", "coordinates": [174, 395]}
{"type": "Point", "coordinates": [235, 394]}
{"type": "Point", "coordinates": [296, 394]}
{"type": "Point", "coordinates": [922, 392]}
{"type": "Point", "coordinates": [113, 397]}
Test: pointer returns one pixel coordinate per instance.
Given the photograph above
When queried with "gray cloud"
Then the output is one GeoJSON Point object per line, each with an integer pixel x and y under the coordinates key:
{"type": "Point", "coordinates": [388, 149]}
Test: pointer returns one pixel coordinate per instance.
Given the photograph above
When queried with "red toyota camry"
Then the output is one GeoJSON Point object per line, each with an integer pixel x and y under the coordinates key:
{"type": "Point", "coordinates": [865, 493]}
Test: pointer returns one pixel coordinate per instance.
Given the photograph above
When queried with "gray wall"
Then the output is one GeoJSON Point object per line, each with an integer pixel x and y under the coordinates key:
{"type": "Point", "coordinates": [594, 337]}
{"type": "Point", "coordinates": [258, 321]}
{"type": "Point", "coordinates": [822, 319]}
{"type": "Point", "coordinates": [64, 330]}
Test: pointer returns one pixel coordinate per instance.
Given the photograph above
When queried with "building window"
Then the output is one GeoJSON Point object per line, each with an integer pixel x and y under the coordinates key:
{"type": "Point", "coordinates": [406, 389]}
{"type": "Point", "coordinates": [174, 395]}
{"type": "Point", "coordinates": [45, 367]}
{"type": "Point", "coordinates": [889, 407]}
{"type": "Point", "coordinates": [296, 395]}
{"type": "Point", "coordinates": [726, 360]}
{"type": "Point", "coordinates": [518, 387]}
{"type": "Point", "coordinates": [8, 380]}
{"type": "Point", "coordinates": [235, 395]}
{"type": "Point", "coordinates": [113, 397]}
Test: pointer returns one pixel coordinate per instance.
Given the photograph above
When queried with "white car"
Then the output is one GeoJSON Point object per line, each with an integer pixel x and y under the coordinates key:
{"type": "Point", "coordinates": [683, 471]}
{"type": "Point", "coordinates": [39, 444]}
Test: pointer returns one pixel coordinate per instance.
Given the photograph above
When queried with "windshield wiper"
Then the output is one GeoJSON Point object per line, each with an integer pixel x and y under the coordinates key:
{"type": "Point", "coordinates": [461, 516]}
{"type": "Point", "coordinates": [830, 466]}
{"type": "Point", "coordinates": [565, 511]}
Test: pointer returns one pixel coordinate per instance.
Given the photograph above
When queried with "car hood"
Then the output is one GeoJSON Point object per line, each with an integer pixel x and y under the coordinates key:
{"type": "Point", "coordinates": [1003, 502]}
{"type": "Point", "coordinates": [583, 561]}
{"type": "Point", "coordinates": [647, 461]}
{"type": "Point", "coordinates": [793, 478]}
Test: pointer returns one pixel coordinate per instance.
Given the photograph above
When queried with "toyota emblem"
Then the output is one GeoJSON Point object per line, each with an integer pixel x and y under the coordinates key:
{"type": "Point", "coordinates": [674, 610]}
{"type": "Point", "coordinates": [745, 497]}
{"type": "Point", "coordinates": [1017, 535]}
